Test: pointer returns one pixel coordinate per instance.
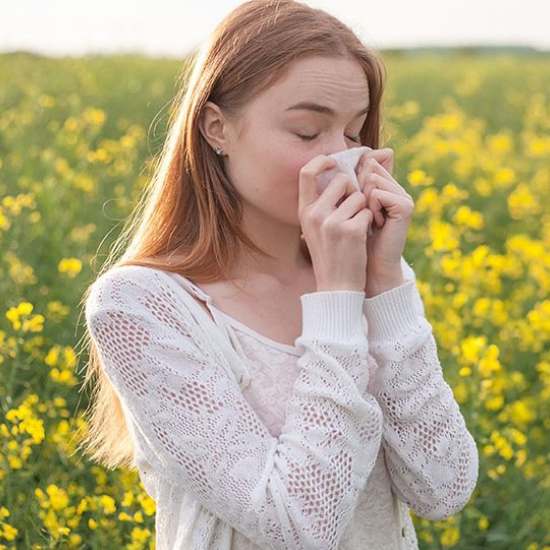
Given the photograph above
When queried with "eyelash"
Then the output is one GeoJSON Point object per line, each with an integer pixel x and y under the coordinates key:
{"type": "Point", "coordinates": [309, 138]}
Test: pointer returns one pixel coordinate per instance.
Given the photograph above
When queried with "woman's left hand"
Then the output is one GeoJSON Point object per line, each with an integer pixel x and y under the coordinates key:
{"type": "Point", "coordinates": [392, 208]}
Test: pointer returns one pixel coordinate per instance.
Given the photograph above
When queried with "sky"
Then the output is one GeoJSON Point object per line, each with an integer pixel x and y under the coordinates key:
{"type": "Point", "coordinates": [174, 28]}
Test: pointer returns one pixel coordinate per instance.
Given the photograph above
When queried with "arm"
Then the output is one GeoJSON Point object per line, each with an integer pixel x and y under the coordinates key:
{"type": "Point", "coordinates": [295, 491]}
{"type": "Point", "coordinates": [431, 457]}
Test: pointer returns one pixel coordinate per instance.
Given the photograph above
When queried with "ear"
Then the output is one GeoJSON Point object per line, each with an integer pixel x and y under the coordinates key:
{"type": "Point", "coordinates": [213, 126]}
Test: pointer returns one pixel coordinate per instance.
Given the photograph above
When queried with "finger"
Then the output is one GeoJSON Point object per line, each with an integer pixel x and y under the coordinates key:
{"type": "Point", "coordinates": [387, 161]}
{"type": "Point", "coordinates": [387, 204]}
{"type": "Point", "coordinates": [349, 206]}
{"type": "Point", "coordinates": [363, 216]}
{"type": "Point", "coordinates": [307, 182]}
{"type": "Point", "coordinates": [338, 189]}
{"type": "Point", "coordinates": [379, 169]}
{"type": "Point", "coordinates": [373, 169]}
{"type": "Point", "coordinates": [384, 156]}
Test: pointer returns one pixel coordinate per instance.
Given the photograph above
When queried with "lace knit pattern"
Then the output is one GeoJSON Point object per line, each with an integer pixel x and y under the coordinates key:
{"type": "Point", "coordinates": [216, 469]}
{"type": "Point", "coordinates": [375, 523]}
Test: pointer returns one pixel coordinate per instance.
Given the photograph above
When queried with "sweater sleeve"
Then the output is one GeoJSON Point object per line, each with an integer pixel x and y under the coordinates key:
{"type": "Point", "coordinates": [431, 456]}
{"type": "Point", "coordinates": [298, 490]}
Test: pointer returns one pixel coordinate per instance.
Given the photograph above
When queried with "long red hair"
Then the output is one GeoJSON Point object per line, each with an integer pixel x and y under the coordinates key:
{"type": "Point", "coordinates": [187, 219]}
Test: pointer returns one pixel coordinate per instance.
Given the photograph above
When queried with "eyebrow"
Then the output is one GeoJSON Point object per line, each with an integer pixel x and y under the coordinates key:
{"type": "Point", "coordinates": [307, 105]}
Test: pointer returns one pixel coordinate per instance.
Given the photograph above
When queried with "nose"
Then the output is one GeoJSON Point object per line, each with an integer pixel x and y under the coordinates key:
{"type": "Point", "coordinates": [337, 144]}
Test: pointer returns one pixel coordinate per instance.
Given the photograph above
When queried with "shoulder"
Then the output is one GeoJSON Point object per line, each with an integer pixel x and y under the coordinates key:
{"type": "Point", "coordinates": [136, 287]}
{"type": "Point", "coordinates": [128, 273]}
{"type": "Point", "coordinates": [138, 300]}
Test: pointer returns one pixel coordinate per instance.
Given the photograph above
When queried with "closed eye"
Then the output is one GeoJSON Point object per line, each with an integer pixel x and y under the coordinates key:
{"type": "Point", "coordinates": [309, 138]}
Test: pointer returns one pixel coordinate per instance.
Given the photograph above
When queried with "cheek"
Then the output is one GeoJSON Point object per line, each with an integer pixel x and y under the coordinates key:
{"type": "Point", "coordinates": [288, 159]}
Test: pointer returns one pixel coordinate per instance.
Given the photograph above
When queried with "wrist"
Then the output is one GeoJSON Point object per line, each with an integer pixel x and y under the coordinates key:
{"type": "Point", "coordinates": [378, 283]}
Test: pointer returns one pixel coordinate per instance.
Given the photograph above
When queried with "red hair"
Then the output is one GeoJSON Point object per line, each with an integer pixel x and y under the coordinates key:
{"type": "Point", "coordinates": [188, 218]}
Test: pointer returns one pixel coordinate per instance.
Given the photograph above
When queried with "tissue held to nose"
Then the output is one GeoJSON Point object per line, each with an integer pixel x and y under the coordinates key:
{"type": "Point", "coordinates": [346, 161]}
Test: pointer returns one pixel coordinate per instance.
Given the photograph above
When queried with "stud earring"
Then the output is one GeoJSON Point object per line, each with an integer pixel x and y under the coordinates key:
{"type": "Point", "coordinates": [219, 151]}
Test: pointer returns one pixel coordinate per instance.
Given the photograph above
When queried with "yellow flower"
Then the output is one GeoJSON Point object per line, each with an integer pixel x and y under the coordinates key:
{"type": "Point", "coordinates": [70, 266]}
{"type": "Point", "coordinates": [483, 523]}
{"type": "Point", "coordinates": [419, 177]}
{"type": "Point", "coordinates": [108, 504]}
{"type": "Point", "coordinates": [15, 462]}
{"type": "Point", "coordinates": [522, 203]}
{"type": "Point", "coordinates": [94, 116]}
{"type": "Point", "coordinates": [521, 457]}
{"type": "Point", "coordinates": [537, 146]}
{"type": "Point", "coordinates": [494, 403]}
{"type": "Point", "coordinates": [24, 308]}
{"type": "Point", "coordinates": [443, 236]}
{"type": "Point", "coordinates": [521, 414]}
{"type": "Point", "coordinates": [518, 437]}
{"type": "Point", "coordinates": [140, 534]}
{"type": "Point", "coordinates": [9, 532]}
{"type": "Point", "coordinates": [467, 217]}
{"type": "Point", "coordinates": [148, 505]}
{"type": "Point", "coordinates": [489, 364]}
{"type": "Point", "coordinates": [71, 124]}
{"type": "Point", "coordinates": [52, 356]}
{"type": "Point", "coordinates": [58, 497]}
{"type": "Point", "coordinates": [75, 539]}
{"type": "Point", "coordinates": [460, 392]}
{"type": "Point", "coordinates": [504, 177]}
{"type": "Point", "coordinates": [499, 143]}
{"type": "Point", "coordinates": [471, 349]}
{"type": "Point", "coordinates": [450, 536]}
{"type": "Point", "coordinates": [489, 450]}
{"type": "Point", "coordinates": [34, 324]}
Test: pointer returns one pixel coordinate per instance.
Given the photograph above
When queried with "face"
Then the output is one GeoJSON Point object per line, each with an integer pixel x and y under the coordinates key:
{"type": "Point", "coordinates": [274, 138]}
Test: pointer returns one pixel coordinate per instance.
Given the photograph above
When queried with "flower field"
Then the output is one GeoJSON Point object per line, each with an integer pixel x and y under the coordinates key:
{"type": "Point", "coordinates": [471, 136]}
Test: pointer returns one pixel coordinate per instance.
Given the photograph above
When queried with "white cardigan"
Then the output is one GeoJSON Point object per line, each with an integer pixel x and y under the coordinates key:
{"type": "Point", "coordinates": [210, 463]}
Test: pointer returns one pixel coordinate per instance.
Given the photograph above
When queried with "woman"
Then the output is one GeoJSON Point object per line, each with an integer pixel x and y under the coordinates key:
{"type": "Point", "coordinates": [266, 366]}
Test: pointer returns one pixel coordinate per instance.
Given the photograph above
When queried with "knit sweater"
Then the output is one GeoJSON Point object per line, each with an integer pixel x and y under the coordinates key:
{"type": "Point", "coordinates": [368, 426]}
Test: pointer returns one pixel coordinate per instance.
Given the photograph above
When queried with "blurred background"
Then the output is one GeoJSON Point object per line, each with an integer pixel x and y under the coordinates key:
{"type": "Point", "coordinates": [170, 28]}
{"type": "Point", "coordinates": [84, 92]}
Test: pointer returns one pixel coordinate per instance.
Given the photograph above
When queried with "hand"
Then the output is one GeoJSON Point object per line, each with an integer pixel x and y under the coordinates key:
{"type": "Point", "coordinates": [392, 208]}
{"type": "Point", "coordinates": [335, 226]}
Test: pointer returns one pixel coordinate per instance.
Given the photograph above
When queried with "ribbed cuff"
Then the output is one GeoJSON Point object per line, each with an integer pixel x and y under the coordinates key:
{"type": "Point", "coordinates": [335, 315]}
{"type": "Point", "coordinates": [392, 313]}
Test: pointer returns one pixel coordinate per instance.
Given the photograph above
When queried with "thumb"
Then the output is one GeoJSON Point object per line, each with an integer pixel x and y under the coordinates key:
{"type": "Point", "coordinates": [308, 191]}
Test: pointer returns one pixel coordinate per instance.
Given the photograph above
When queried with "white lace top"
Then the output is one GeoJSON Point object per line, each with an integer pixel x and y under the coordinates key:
{"type": "Point", "coordinates": [247, 443]}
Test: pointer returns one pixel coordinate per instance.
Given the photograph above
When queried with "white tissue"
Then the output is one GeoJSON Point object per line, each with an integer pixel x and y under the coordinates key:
{"type": "Point", "coordinates": [346, 162]}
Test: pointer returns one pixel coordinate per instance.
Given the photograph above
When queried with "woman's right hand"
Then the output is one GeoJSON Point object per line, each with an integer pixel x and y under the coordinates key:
{"type": "Point", "coordinates": [335, 230]}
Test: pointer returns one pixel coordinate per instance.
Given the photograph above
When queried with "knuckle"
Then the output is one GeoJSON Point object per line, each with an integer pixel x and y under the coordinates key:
{"type": "Point", "coordinates": [329, 227]}
{"type": "Point", "coordinates": [361, 198]}
{"type": "Point", "coordinates": [306, 172]}
{"type": "Point", "coordinates": [315, 217]}
{"type": "Point", "coordinates": [409, 208]}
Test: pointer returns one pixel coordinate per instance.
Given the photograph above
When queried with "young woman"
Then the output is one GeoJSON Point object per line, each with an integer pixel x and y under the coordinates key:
{"type": "Point", "coordinates": [267, 367]}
